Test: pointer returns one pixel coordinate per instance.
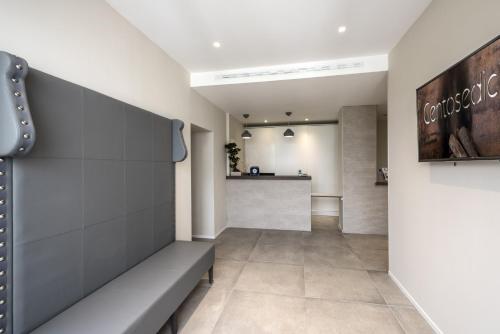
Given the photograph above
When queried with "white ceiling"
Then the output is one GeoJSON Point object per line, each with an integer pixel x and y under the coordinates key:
{"type": "Point", "coordinates": [272, 32]}
{"type": "Point", "coordinates": [316, 99]}
{"type": "Point", "coordinates": [269, 32]}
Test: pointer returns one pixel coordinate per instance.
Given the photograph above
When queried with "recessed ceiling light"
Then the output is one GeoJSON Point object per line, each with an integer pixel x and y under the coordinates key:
{"type": "Point", "coordinates": [265, 121]}
{"type": "Point", "coordinates": [306, 119]}
{"type": "Point", "coordinates": [216, 44]}
{"type": "Point", "coordinates": [342, 29]}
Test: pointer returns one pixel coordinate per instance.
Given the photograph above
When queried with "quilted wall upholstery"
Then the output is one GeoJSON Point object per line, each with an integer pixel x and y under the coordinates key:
{"type": "Point", "coordinates": [93, 198]}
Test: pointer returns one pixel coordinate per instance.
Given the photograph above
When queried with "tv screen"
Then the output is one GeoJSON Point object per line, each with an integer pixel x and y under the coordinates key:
{"type": "Point", "coordinates": [459, 110]}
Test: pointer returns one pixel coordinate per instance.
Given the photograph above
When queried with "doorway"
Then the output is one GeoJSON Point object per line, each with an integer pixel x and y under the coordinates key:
{"type": "Point", "coordinates": [202, 182]}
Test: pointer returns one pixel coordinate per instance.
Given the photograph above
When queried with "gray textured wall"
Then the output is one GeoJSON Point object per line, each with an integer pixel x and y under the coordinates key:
{"type": "Point", "coordinates": [269, 204]}
{"type": "Point", "coordinates": [365, 204]}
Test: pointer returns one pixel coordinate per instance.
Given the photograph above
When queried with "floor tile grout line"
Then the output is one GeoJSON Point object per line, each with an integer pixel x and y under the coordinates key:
{"type": "Point", "coordinates": [398, 321]}
{"type": "Point", "coordinates": [348, 301]}
{"type": "Point", "coordinates": [231, 290]}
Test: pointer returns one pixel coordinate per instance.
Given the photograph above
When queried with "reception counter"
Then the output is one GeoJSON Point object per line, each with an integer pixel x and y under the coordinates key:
{"type": "Point", "coordinates": [269, 202]}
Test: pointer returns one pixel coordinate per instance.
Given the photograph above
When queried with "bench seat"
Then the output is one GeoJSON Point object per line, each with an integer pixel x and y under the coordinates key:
{"type": "Point", "coordinates": [141, 299]}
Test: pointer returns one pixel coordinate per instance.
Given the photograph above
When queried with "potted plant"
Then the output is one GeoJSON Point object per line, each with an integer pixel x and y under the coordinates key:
{"type": "Point", "coordinates": [232, 150]}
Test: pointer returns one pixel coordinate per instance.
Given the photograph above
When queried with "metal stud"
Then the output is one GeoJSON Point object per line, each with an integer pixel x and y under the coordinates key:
{"type": "Point", "coordinates": [2, 315]}
{"type": "Point", "coordinates": [2, 173]}
{"type": "Point", "coordinates": [19, 66]}
{"type": "Point", "coordinates": [2, 244]}
{"type": "Point", "coordinates": [2, 331]}
{"type": "Point", "coordinates": [2, 301]}
{"type": "Point", "coordinates": [2, 216]}
{"type": "Point", "coordinates": [21, 149]}
{"type": "Point", "coordinates": [26, 136]}
{"type": "Point", "coordinates": [2, 287]}
{"type": "Point", "coordinates": [20, 108]}
{"type": "Point", "coordinates": [17, 94]}
{"type": "Point", "coordinates": [14, 80]}
{"type": "Point", "coordinates": [2, 230]}
{"type": "Point", "coordinates": [2, 202]}
{"type": "Point", "coordinates": [2, 258]}
{"type": "Point", "coordinates": [2, 273]}
{"type": "Point", "coordinates": [1, 160]}
{"type": "Point", "coordinates": [24, 122]}
{"type": "Point", "coordinates": [2, 187]}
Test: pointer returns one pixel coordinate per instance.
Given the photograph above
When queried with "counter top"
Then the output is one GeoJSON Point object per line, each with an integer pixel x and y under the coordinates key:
{"type": "Point", "coordinates": [269, 177]}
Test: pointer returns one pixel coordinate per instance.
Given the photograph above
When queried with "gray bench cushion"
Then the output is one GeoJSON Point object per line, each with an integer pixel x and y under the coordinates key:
{"type": "Point", "coordinates": [141, 299]}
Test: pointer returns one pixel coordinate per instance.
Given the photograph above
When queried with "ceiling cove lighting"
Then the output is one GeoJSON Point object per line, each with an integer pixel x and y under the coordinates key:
{"type": "Point", "coordinates": [288, 133]}
{"type": "Point", "coordinates": [246, 134]}
{"type": "Point", "coordinates": [326, 68]}
{"type": "Point", "coordinates": [342, 29]}
{"type": "Point", "coordinates": [216, 44]}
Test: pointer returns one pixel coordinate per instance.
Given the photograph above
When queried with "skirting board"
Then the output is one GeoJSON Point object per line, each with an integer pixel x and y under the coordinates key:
{"type": "Point", "coordinates": [332, 213]}
{"type": "Point", "coordinates": [412, 300]}
{"type": "Point", "coordinates": [211, 237]}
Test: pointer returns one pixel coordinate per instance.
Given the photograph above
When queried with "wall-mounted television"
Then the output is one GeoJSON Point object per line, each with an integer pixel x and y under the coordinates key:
{"type": "Point", "coordinates": [459, 110]}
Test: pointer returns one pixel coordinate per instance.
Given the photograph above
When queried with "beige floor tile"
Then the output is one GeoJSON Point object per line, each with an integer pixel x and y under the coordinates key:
{"type": "Point", "coordinates": [281, 237]}
{"type": "Point", "coordinates": [324, 239]}
{"type": "Point", "coordinates": [411, 321]}
{"type": "Point", "coordinates": [286, 253]}
{"type": "Point", "coordinates": [238, 234]}
{"type": "Point", "coordinates": [201, 317]}
{"type": "Point", "coordinates": [335, 256]}
{"type": "Point", "coordinates": [325, 223]}
{"type": "Point", "coordinates": [388, 289]}
{"type": "Point", "coordinates": [226, 273]}
{"type": "Point", "coordinates": [340, 284]}
{"type": "Point", "coordinates": [272, 278]}
{"type": "Point", "coordinates": [247, 312]}
{"type": "Point", "coordinates": [367, 241]}
{"type": "Point", "coordinates": [238, 250]}
{"type": "Point", "coordinates": [373, 259]}
{"type": "Point", "coordinates": [349, 318]}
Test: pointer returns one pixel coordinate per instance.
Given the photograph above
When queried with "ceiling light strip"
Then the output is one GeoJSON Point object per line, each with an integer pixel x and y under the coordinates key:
{"type": "Point", "coordinates": [291, 71]}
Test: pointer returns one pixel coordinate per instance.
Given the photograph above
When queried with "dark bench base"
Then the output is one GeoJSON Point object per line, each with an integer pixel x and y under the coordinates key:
{"type": "Point", "coordinates": [174, 325]}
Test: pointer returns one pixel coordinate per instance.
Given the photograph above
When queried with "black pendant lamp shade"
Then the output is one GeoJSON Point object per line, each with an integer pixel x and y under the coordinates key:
{"type": "Point", "coordinates": [288, 133]}
{"type": "Point", "coordinates": [246, 134]}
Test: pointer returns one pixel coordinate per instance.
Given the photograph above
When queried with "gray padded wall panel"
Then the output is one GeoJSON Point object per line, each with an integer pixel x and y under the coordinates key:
{"type": "Point", "coordinates": [94, 197]}
{"type": "Point", "coordinates": [17, 133]}
{"type": "Point", "coordinates": [6, 245]}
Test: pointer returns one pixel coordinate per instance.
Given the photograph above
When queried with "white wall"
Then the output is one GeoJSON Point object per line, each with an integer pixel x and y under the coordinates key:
{"type": "Point", "coordinates": [202, 183]}
{"type": "Point", "coordinates": [88, 43]}
{"type": "Point", "coordinates": [314, 149]}
{"type": "Point", "coordinates": [444, 221]}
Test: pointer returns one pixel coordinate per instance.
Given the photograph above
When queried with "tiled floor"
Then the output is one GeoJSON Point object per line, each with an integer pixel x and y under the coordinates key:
{"type": "Point", "coordinates": [299, 282]}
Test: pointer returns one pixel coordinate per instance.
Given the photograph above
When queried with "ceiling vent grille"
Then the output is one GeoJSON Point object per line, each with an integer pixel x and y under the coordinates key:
{"type": "Point", "coordinates": [293, 70]}
{"type": "Point", "coordinates": [326, 68]}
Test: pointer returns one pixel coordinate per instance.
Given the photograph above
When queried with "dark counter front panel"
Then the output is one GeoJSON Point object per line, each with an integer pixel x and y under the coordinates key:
{"type": "Point", "coordinates": [268, 177]}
